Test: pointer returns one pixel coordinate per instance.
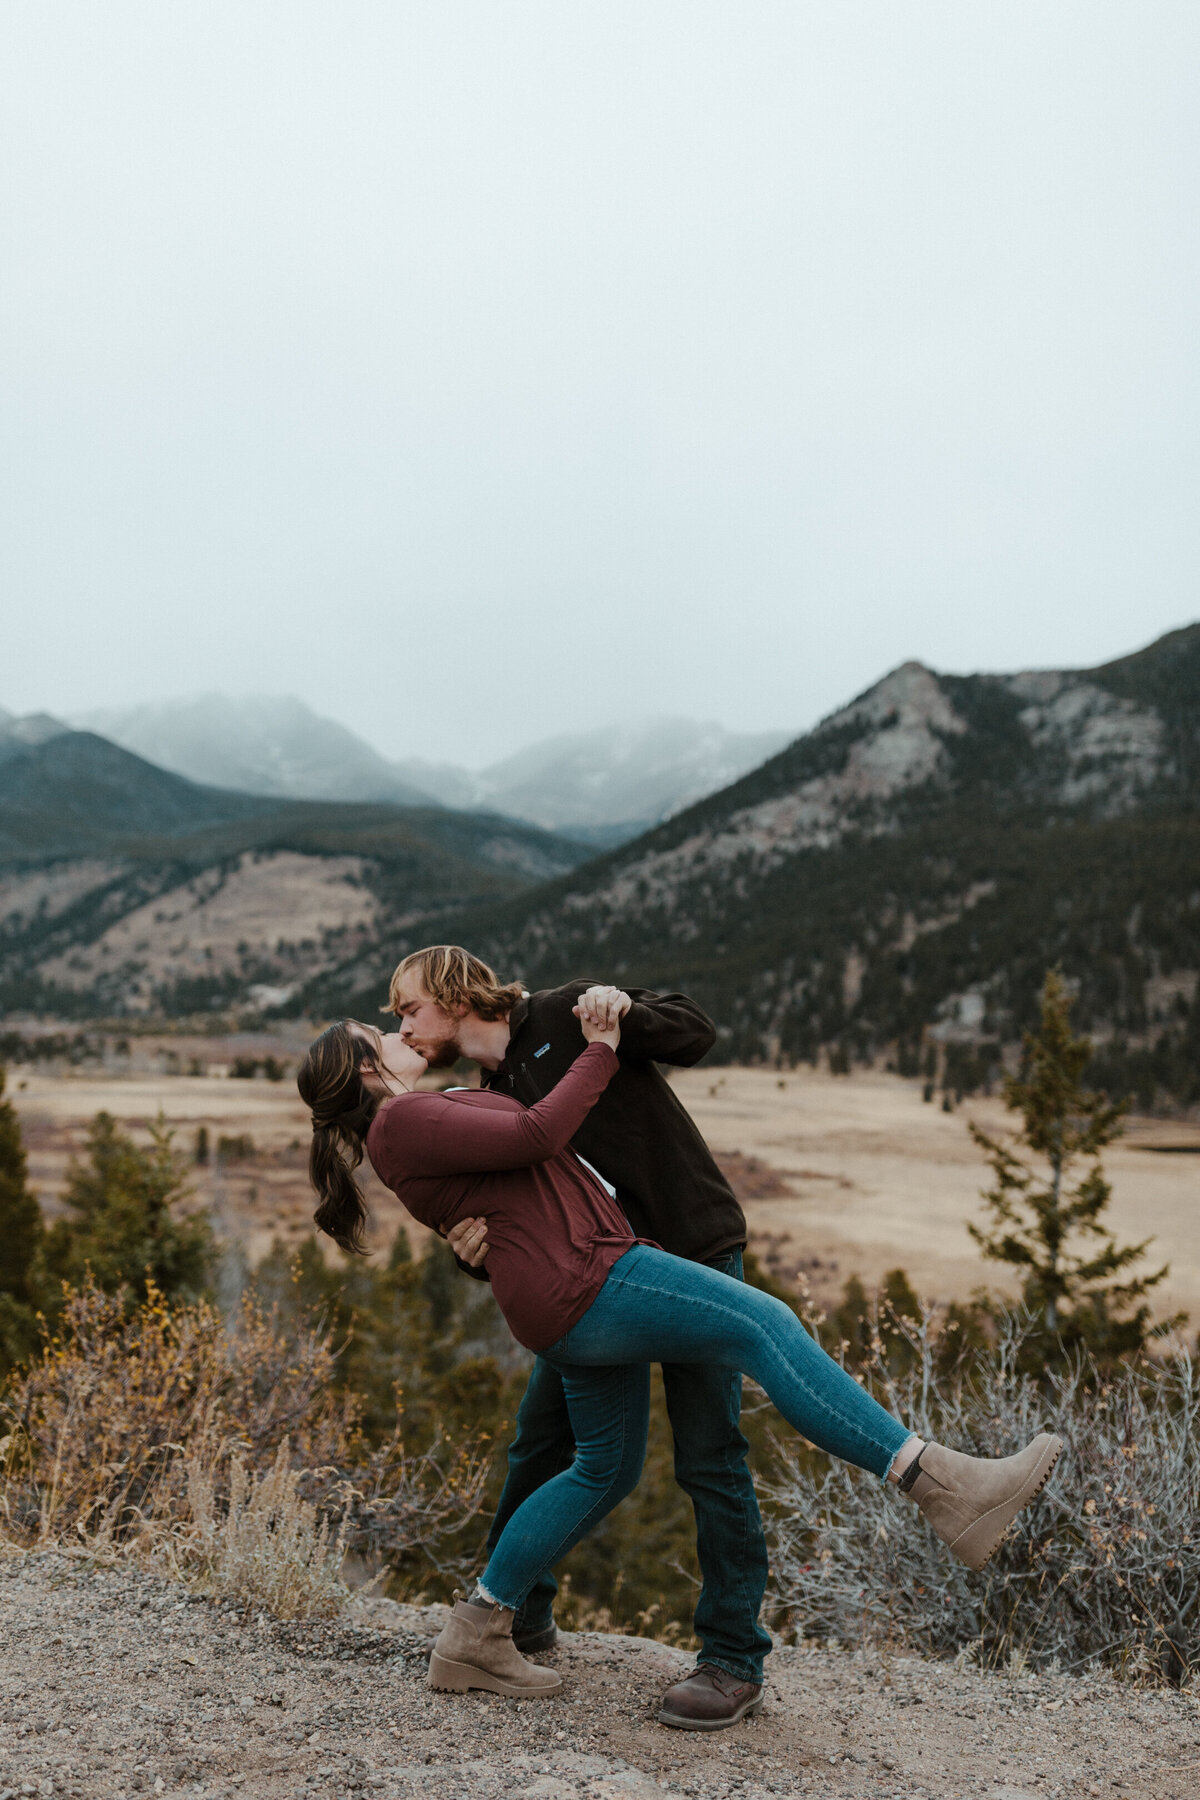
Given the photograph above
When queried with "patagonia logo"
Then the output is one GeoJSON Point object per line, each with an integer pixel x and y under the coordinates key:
{"type": "Point", "coordinates": [540, 1052]}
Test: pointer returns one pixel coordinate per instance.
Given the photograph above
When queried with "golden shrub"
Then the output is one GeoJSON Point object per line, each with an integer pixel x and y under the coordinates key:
{"type": "Point", "coordinates": [227, 1448]}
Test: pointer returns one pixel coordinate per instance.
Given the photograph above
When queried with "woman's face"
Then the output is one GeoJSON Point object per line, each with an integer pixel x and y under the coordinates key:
{"type": "Point", "coordinates": [399, 1066]}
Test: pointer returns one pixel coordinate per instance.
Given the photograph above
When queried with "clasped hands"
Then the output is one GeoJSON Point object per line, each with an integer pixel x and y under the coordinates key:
{"type": "Point", "coordinates": [599, 1011]}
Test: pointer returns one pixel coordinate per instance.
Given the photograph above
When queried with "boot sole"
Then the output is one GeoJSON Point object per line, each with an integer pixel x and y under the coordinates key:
{"type": "Point", "coordinates": [677, 1724]}
{"type": "Point", "coordinates": [995, 1524]}
{"type": "Point", "coordinates": [458, 1678]}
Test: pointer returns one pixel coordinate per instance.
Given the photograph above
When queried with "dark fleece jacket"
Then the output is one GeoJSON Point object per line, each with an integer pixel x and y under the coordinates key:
{"type": "Point", "coordinates": [638, 1135]}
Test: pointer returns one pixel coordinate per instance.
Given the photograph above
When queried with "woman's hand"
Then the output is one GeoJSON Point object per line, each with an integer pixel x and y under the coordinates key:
{"type": "Point", "coordinates": [600, 1011]}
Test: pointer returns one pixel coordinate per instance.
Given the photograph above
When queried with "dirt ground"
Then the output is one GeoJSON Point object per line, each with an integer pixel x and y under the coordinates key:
{"type": "Point", "coordinates": [115, 1684]}
{"type": "Point", "coordinates": [860, 1175]}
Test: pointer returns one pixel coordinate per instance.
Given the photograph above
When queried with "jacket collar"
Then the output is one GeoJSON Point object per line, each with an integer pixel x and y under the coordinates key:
{"type": "Point", "coordinates": [516, 1021]}
{"type": "Point", "coordinates": [518, 1015]}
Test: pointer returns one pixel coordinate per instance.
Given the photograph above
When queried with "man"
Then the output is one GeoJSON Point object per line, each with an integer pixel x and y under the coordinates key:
{"type": "Point", "coordinates": [642, 1141]}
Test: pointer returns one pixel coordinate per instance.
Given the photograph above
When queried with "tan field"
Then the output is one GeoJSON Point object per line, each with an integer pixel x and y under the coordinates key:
{"type": "Point", "coordinates": [852, 1174]}
{"type": "Point", "coordinates": [876, 1179]}
{"type": "Point", "coordinates": [253, 1199]}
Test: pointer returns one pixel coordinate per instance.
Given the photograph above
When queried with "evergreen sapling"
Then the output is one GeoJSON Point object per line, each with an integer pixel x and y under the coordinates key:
{"type": "Point", "coordinates": [1047, 1206]}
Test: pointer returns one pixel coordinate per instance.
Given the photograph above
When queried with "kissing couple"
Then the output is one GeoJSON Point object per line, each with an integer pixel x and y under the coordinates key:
{"type": "Point", "coordinates": [576, 1181]}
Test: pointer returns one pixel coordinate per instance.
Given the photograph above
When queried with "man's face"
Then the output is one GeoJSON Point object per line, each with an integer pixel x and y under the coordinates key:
{"type": "Point", "coordinates": [431, 1031]}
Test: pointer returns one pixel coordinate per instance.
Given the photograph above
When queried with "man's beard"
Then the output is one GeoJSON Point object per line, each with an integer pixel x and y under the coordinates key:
{"type": "Point", "coordinates": [444, 1055]}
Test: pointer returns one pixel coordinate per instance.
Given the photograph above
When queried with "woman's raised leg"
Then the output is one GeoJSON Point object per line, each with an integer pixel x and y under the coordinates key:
{"type": "Point", "coordinates": [659, 1308]}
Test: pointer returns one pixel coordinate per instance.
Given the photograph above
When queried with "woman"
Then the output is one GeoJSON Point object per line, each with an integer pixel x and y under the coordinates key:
{"type": "Point", "coordinates": [576, 1286]}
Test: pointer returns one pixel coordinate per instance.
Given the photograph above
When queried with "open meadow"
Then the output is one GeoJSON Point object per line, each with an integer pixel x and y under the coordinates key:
{"type": "Point", "coordinates": [839, 1174]}
{"type": "Point", "coordinates": [873, 1179]}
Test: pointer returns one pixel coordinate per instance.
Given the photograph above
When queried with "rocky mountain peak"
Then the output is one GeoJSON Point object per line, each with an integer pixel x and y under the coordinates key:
{"type": "Point", "coordinates": [911, 695]}
{"type": "Point", "coordinates": [904, 874]}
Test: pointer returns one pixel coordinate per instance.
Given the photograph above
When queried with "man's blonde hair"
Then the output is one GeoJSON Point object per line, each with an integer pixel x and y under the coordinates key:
{"type": "Point", "coordinates": [453, 978]}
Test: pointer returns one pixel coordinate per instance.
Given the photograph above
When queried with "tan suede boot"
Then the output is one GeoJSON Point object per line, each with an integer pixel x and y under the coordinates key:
{"type": "Point", "coordinates": [474, 1649]}
{"type": "Point", "coordinates": [972, 1500]}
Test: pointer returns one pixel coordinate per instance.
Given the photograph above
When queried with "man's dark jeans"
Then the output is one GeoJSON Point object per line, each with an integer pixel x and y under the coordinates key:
{"type": "Point", "coordinates": [704, 1403]}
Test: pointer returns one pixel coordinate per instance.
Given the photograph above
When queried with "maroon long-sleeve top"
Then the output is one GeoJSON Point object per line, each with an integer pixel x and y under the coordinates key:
{"type": "Point", "coordinates": [554, 1232]}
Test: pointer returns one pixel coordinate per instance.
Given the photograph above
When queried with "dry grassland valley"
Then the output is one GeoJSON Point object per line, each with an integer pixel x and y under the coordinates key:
{"type": "Point", "coordinates": [838, 1175]}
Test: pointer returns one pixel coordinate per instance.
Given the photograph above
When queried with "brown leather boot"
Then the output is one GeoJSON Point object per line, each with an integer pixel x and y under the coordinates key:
{"type": "Point", "coordinates": [474, 1649]}
{"type": "Point", "coordinates": [709, 1699]}
{"type": "Point", "coordinates": [972, 1500]}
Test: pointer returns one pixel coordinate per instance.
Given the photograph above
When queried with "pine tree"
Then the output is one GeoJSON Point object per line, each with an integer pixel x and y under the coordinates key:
{"type": "Point", "coordinates": [122, 1222]}
{"type": "Point", "coordinates": [1047, 1210]}
{"type": "Point", "coordinates": [20, 1238]}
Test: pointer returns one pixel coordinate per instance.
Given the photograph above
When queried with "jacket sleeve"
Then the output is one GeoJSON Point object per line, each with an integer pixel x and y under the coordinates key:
{"type": "Point", "coordinates": [431, 1134]}
{"type": "Point", "coordinates": [666, 1028]}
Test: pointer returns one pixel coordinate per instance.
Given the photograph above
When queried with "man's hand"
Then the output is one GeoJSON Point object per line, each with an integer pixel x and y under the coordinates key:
{"type": "Point", "coordinates": [600, 1012]}
{"type": "Point", "coordinates": [603, 1006]}
{"type": "Point", "coordinates": [468, 1240]}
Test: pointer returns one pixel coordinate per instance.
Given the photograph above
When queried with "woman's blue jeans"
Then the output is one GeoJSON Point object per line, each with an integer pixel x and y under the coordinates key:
{"type": "Point", "coordinates": [659, 1308]}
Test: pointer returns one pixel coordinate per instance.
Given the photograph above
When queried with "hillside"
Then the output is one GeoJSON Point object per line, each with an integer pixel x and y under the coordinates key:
{"type": "Point", "coordinates": [74, 794]}
{"type": "Point", "coordinates": [916, 862]}
{"type": "Point", "coordinates": [125, 887]}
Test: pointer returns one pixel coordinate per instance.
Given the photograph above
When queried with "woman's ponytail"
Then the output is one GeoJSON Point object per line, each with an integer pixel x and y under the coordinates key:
{"type": "Point", "coordinates": [332, 1088]}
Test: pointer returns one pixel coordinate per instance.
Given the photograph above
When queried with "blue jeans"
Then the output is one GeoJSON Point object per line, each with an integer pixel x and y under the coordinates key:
{"type": "Point", "coordinates": [704, 1403]}
{"type": "Point", "coordinates": [659, 1308]}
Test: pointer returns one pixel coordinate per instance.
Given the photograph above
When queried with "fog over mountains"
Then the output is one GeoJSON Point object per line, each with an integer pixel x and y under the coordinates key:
{"type": "Point", "coordinates": [601, 785]}
{"type": "Point", "coordinates": [269, 745]}
{"type": "Point", "coordinates": [125, 888]}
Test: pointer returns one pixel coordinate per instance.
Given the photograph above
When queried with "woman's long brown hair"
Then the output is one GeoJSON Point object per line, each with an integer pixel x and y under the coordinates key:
{"type": "Point", "coordinates": [332, 1088]}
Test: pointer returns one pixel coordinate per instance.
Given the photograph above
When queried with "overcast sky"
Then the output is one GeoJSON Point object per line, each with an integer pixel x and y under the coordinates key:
{"type": "Point", "coordinates": [477, 372]}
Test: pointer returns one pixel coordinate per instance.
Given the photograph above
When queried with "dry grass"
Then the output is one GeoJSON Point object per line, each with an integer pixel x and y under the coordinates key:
{"type": "Point", "coordinates": [263, 1545]}
{"type": "Point", "coordinates": [225, 1449]}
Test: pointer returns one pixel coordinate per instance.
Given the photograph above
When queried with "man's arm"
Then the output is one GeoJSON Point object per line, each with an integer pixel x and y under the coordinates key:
{"type": "Point", "coordinates": [667, 1028]}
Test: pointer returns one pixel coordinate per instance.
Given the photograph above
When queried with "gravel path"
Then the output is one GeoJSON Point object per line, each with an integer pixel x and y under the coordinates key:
{"type": "Point", "coordinates": [115, 1683]}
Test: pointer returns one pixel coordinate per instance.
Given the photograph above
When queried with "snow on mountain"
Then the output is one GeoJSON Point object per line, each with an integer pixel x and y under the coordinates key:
{"type": "Point", "coordinates": [630, 775]}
